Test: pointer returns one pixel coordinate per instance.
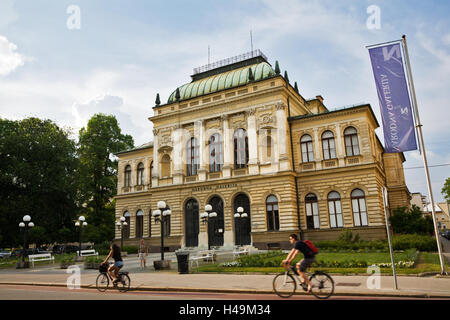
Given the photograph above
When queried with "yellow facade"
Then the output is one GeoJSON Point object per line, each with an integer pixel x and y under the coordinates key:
{"type": "Point", "coordinates": [286, 192]}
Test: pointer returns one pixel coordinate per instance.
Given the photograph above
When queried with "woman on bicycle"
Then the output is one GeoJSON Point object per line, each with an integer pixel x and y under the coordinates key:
{"type": "Point", "coordinates": [113, 270]}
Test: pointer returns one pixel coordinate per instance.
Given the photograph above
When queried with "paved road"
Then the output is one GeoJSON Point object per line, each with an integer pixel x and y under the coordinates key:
{"type": "Point", "coordinates": [26, 292]}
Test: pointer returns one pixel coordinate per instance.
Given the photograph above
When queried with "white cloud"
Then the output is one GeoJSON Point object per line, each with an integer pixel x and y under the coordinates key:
{"type": "Point", "coordinates": [10, 60]}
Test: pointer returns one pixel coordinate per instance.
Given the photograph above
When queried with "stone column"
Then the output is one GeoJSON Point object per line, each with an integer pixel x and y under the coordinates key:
{"type": "Point", "coordinates": [227, 137]}
{"type": "Point", "coordinates": [155, 173]}
{"type": "Point", "coordinates": [340, 146]}
{"type": "Point", "coordinates": [318, 155]}
{"type": "Point", "coordinates": [199, 134]}
{"type": "Point", "coordinates": [177, 155]}
{"type": "Point", "coordinates": [253, 161]}
{"type": "Point", "coordinates": [282, 140]}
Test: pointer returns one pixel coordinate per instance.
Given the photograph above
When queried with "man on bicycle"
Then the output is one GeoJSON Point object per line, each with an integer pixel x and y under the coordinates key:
{"type": "Point", "coordinates": [305, 263]}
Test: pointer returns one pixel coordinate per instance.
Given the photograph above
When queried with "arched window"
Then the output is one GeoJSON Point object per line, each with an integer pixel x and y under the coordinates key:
{"type": "Point", "coordinates": [126, 229]}
{"type": "Point", "coordinates": [335, 210]}
{"type": "Point", "coordinates": [267, 144]}
{"type": "Point", "coordinates": [240, 149]}
{"type": "Point", "coordinates": [351, 142]}
{"type": "Point", "coordinates": [127, 182]}
{"type": "Point", "coordinates": [273, 222]}
{"type": "Point", "coordinates": [165, 166]}
{"type": "Point", "coordinates": [140, 174]}
{"type": "Point", "coordinates": [307, 148]}
{"type": "Point", "coordinates": [215, 153]}
{"type": "Point", "coordinates": [139, 224]}
{"type": "Point", "coordinates": [193, 158]}
{"type": "Point", "coordinates": [359, 208]}
{"type": "Point", "coordinates": [312, 212]}
{"type": "Point", "coordinates": [329, 149]}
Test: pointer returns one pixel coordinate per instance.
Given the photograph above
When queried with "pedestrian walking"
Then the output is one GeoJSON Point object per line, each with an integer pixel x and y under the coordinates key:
{"type": "Point", "coordinates": [142, 253]}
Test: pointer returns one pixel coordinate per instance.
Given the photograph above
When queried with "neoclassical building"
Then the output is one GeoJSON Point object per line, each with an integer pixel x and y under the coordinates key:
{"type": "Point", "coordinates": [239, 135]}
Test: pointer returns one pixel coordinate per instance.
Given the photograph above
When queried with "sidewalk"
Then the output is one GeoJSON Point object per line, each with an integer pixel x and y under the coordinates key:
{"type": "Point", "coordinates": [150, 280]}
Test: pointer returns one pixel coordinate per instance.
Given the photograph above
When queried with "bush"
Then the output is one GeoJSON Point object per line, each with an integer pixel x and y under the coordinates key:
{"type": "Point", "coordinates": [409, 241]}
{"type": "Point", "coordinates": [102, 248]}
{"type": "Point", "coordinates": [131, 249]}
{"type": "Point", "coordinates": [348, 237]}
{"type": "Point", "coordinates": [360, 246]}
{"type": "Point", "coordinates": [94, 259]}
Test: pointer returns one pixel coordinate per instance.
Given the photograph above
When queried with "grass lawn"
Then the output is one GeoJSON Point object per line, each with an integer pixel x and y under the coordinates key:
{"type": "Point", "coordinates": [426, 262]}
{"type": "Point", "coordinates": [11, 262]}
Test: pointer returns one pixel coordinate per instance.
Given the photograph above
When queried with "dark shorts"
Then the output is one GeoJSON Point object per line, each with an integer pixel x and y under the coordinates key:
{"type": "Point", "coordinates": [306, 263]}
{"type": "Point", "coordinates": [118, 264]}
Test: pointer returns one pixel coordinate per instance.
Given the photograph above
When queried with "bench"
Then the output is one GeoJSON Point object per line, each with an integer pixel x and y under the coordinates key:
{"type": "Point", "coordinates": [85, 253]}
{"type": "Point", "coordinates": [207, 255]}
{"type": "Point", "coordinates": [40, 257]}
{"type": "Point", "coordinates": [239, 251]}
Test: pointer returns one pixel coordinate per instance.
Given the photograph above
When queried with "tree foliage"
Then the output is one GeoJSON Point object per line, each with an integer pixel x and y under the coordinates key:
{"type": "Point", "coordinates": [47, 175]}
{"type": "Point", "coordinates": [411, 221]}
{"type": "Point", "coordinates": [37, 165]}
{"type": "Point", "coordinates": [98, 143]}
{"type": "Point", "coordinates": [446, 189]}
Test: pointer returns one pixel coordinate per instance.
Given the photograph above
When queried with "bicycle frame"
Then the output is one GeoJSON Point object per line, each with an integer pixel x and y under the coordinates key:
{"type": "Point", "coordinates": [290, 279]}
{"type": "Point", "coordinates": [292, 270]}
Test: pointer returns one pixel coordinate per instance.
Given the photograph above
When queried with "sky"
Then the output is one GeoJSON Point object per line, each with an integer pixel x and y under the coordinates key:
{"type": "Point", "coordinates": [67, 60]}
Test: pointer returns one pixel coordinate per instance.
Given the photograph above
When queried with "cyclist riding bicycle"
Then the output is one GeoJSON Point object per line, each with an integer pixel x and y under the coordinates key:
{"type": "Point", "coordinates": [113, 270]}
{"type": "Point", "coordinates": [305, 263]}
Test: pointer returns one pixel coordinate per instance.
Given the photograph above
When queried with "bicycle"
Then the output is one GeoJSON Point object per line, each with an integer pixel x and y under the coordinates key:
{"type": "Point", "coordinates": [285, 284]}
{"type": "Point", "coordinates": [103, 279]}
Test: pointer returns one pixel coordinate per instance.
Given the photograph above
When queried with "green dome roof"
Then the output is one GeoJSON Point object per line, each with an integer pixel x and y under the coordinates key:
{"type": "Point", "coordinates": [225, 80]}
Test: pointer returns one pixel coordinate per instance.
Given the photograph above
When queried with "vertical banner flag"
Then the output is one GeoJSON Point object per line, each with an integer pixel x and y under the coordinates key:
{"type": "Point", "coordinates": [392, 89]}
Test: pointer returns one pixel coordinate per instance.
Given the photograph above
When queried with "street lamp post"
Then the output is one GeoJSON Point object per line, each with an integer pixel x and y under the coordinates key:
{"type": "Point", "coordinates": [161, 215]}
{"type": "Point", "coordinates": [121, 224]}
{"type": "Point", "coordinates": [25, 225]}
{"type": "Point", "coordinates": [80, 223]}
{"type": "Point", "coordinates": [240, 214]}
{"type": "Point", "coordinates": [205, 216]}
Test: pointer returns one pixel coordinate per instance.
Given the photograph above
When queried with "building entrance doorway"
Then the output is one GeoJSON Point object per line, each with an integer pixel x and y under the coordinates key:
{"type": "Point", "coordinates": [242, 226]}
{"type": "Point", "coordinates": [216, 226]}
{"type": "Point", "coordinates": [191, 223]}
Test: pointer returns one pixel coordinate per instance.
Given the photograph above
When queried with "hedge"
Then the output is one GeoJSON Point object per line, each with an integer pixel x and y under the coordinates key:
{"type": "Point", "coordinates": [420, 242]}
{"type": "Point", "coordinates": [399, 242]}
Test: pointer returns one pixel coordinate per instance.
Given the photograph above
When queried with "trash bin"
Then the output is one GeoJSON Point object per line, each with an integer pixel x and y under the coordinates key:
{"type": "Point", "coordinates": [183, 262]}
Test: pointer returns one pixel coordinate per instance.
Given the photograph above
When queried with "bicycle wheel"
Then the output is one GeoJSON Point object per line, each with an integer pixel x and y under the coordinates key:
{"type": "Point", "coordinates": [284, 285]}
{"type": "Point", "coordinates": [322, 285]}
{"type": "Point", "coordinates": [102, 282]}
{"type": "Point", "coordinates": [124, 284]}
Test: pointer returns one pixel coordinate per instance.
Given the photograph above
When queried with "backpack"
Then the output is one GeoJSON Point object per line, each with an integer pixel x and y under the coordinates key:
{"type": "Point", "coordinates": [311, 246]}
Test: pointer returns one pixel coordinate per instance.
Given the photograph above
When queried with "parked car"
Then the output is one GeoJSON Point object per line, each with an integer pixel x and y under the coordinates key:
{"type": "Point", "coordinates": [446, 234]}
{"type": "Point", "coordinates": [59, 249]}
{"type": "Point", "coordinates": [16, 253]}
{"type": "Point", "coordinates": [5, 254]}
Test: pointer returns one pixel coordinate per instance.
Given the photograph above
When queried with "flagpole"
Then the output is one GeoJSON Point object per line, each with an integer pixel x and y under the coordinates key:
{"type": "Point", "coordinates": [385, 202]}
{"type": "Point", "coordinates": [424, 156]}
{"type": "Point", "coordinates": [372, 46]}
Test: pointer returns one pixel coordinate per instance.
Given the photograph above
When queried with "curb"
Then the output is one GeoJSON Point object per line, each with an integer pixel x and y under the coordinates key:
{"type": "Point", "coordinates": [239, 291]}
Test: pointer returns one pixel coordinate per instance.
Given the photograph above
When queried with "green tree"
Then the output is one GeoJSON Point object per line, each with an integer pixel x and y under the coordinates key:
{"type": "Point", "coordinates": [446, 189]}
{"type": "Point", "coordinates": [37, 167]}
{"type": "Point", "coordinates": [98, 143]}
{"type": "Point", "coordinates": [411, 221]}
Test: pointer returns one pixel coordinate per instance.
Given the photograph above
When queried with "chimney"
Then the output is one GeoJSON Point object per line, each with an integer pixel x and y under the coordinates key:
{"type": "Point", "coordinates": [320, 98]}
